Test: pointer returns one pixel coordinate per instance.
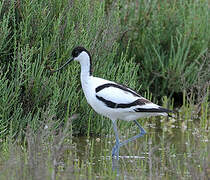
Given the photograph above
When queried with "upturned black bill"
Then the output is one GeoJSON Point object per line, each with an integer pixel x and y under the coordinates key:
{"type": "Point", "coordinates": [63, 65]}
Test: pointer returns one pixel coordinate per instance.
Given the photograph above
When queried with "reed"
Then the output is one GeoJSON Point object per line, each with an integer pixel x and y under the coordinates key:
{"type": "Point", "coordinates": [158, 47]}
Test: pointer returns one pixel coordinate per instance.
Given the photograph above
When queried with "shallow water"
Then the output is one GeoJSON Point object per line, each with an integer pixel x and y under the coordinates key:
{"type": "Point", "coordinates": [169, 150]}
{"type": "Point", "coordinates": [164, 152]}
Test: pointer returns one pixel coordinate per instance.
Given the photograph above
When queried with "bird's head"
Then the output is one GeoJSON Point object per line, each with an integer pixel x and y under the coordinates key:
{"type": "Point", "coordinates": [78, 54]}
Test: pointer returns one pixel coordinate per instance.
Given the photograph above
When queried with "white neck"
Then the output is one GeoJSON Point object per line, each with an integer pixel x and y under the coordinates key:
{"type": "Point", "coordinates": [84, 60]}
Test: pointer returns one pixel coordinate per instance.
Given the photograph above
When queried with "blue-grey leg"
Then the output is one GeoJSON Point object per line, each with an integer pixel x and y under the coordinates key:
{"type": "Point", "coordinates": [115, 149]}
{"type": "Point", "coordinates": [142, 132]}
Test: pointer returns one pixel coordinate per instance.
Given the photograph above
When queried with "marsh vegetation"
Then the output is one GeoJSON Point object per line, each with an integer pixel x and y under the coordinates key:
{"type": "Point", "coordinates": [159, 48]}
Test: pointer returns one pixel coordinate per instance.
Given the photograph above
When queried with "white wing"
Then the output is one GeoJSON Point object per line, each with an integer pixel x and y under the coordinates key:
{"type": "Point", "coordinates": [116, 93]}
{"type": "Point", "coordinates": [118, 96]}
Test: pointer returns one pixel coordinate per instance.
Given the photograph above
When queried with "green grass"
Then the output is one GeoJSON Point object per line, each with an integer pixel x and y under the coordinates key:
{"type": "Point", "coordinates": [170, 41]}
{"type": "Point", "coordinates": [159, 48]}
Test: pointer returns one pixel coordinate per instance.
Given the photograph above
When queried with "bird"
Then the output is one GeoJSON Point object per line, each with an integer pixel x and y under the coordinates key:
{"type": "Point", "coordinates": [113, 100]}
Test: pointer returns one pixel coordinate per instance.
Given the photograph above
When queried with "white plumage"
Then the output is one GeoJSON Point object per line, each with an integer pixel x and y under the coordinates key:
{"type": "Point", "coordinates": [113, 100]}
{"type": "Point", "coordinates": [117, 96]}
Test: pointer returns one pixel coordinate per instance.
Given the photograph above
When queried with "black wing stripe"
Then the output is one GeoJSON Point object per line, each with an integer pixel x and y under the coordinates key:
{"type": "Point", "coordinates": [153, 110]}
{"type": "Point", "coordinates": [122, 105]}
{"type": "Point", "coordinates": [122, 87]}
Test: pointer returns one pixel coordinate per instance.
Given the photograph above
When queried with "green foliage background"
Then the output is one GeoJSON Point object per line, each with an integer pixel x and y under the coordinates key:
{"type": "Point", "coordinates": [162, 45]}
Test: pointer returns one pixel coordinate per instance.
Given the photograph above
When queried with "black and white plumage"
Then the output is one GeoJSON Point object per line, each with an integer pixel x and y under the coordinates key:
{"type": "Point", "coordinates": [113, 100]}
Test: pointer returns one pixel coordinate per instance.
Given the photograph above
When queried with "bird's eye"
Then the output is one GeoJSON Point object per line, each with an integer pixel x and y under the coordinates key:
{"type": "Point", "coordinates": [75, 53]}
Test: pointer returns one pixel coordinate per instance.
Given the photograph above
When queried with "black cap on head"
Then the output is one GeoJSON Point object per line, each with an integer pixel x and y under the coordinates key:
{"type": "Point", "coordinates": [77, 50]}
{"type": "Point", "coordinates": [75, 53]}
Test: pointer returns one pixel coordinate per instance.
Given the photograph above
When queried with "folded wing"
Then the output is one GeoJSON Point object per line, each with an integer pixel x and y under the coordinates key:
{"type": "Point", "coordinates": [118, 96]}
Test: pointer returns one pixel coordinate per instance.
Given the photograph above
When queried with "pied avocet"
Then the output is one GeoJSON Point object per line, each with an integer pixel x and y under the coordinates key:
{"type": "Point", "coordinates": [113, 100]}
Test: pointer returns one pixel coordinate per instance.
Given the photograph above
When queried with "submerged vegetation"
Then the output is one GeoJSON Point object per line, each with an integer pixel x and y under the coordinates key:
{"type": "Point", "coordinates": [154, 46]}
